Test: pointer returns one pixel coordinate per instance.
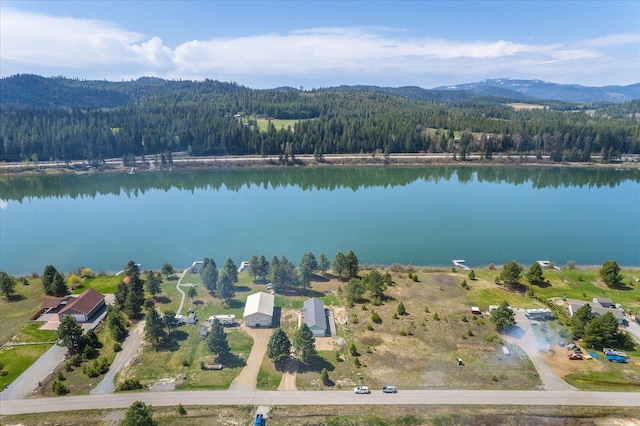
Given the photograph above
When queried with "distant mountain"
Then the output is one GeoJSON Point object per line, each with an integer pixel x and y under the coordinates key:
{"type": "Point", "coordinates": [542, 90]}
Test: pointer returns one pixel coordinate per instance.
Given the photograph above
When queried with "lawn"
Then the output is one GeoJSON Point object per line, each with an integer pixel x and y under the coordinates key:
{"type": "Point", "coordinates": [16, 359]}
{"type": "Point", "coordinates": [31, 333]}
{"type": "Point", "coordinates": [105, 284]}
{"type": "Point", "coordinates": [184, 357]}
{"type": "Point", "coordinates": [15, 313]}
{"type": "Point", "coordinates": [263, 124]}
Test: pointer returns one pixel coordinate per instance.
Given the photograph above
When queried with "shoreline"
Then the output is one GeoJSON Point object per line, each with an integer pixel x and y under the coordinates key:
{"type": "Point", "coordinates": [185, 162]}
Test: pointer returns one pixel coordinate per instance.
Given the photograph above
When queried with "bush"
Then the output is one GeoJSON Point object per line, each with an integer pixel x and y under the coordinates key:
{"type": "Point", "coordinates": [356, 362]}
{"type": "Point", "coordinates": [324, 376]}
{"type": "Point", "coordinates": [375, 317]}
{"type": "Point", "coordinates": [469, 333]}
{"type": "Point", "coordinates": [464, 318]}
{"type": "Point", "coordinates": [353, 350]}
{"type": "Point", "coordinates": [117, 347]}
{"type": "Point", "coordinates": [59, 388]}
{"type": "Point", "coordinates": [436, 317]}
{"type": "Point", "coordinates": [369, 327]}
{"type": "Point", "coordinates": [129, 384]}
{"type": "Point", "coordinates": [181, 410]}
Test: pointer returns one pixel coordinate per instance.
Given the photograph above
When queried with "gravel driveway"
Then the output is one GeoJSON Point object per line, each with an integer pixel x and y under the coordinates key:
{"type": "Point", "coordinates": [523, 336]}
{"type": "Point", "coordinates": [248, 377]}
{"type": "Point", "coordinates": [38, 372]}
{"type": "Point", "coordinates": [129, 348]}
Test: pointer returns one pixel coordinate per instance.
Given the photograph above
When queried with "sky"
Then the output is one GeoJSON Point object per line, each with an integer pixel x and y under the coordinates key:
{"type": "Point", "coordinates": [314, 44]}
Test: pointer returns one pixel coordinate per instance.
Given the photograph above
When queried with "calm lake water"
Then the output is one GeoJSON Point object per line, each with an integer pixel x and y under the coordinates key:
{"type": "Point", "coordinates": [419, 215]}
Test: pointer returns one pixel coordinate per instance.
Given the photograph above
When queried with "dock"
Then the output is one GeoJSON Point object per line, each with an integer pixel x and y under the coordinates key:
{"type": "Point", "coordinates": [461, 264]}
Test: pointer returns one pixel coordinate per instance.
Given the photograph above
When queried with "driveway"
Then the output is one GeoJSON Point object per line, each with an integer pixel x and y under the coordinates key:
{"type": "Point", "coordinates": [524, 336]}
{"type": "Point", "coordinates": [129, 348]}
{"type": "Point", "coordinates": [38, 372]}
{"type": "Point", "coordinates": [248, 377]}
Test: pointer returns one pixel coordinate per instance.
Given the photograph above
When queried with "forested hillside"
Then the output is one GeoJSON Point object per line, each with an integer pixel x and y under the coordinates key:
{"type": "Point", "coordinates": [62, 119]}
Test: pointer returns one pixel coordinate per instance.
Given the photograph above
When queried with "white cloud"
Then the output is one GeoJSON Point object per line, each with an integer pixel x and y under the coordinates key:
{"type": "Point", "coordinates": [98, 49]}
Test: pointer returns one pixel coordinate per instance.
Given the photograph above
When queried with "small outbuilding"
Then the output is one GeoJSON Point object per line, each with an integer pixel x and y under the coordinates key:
{"type": "Point", "coordinates": [204, 331]}
{"type": "Point", "coordinates": [192, 319]}
{"type": "Point", "coordinates": [315, 316]}
{"type": "Point", "coordinates": [476, 310]}
{"type": "Point", "coordinates": [258, 311]}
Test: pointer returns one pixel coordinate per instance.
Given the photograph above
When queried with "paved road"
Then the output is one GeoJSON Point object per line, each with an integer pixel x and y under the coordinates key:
{"type": "Point", "coordinates": [271, 398]}
{"type": "Point", "coordinates": [39, 370]}
{"type": "Point", "coordinates": [248, 377]}
{"type": "Point", "coordinates": [526, 338]}
{"type": "Point", "coordinates": [123, 358]}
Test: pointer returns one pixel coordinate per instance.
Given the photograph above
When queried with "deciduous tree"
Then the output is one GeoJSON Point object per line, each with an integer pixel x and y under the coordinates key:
{"type": "Point", "coordinates": [166, 270]}
{"type": "Point", "coordinates": [7, 284]}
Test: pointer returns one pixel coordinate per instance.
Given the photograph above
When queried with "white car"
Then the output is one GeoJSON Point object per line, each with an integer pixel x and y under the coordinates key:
{"type": "Point", "coordinates": [389, 389]}
{"type": "Point", "coordinates": [361, 389]}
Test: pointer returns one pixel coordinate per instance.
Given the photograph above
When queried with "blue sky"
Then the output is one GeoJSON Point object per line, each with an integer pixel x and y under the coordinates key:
{"type": "Point", "coordinates": [312, 44]}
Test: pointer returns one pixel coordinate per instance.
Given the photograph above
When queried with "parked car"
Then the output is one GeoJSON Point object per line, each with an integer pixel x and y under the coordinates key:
{"type": "Point", "coordinates": [260, 420]}
{"type": "Point", "coordinates": [577, 350]}
{"type": "Point", "coordinates": [574, 356]}
{"type": "Point", "coordinates": [389, 389]}
{"type": "Point", "coordinates": [361, 389]}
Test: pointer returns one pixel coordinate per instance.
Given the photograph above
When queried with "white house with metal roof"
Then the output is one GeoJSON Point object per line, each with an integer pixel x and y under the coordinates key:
{"type": "Point", "coordinates": [315, 316]}
{"type": "Point", "coordinates": [258, 311]}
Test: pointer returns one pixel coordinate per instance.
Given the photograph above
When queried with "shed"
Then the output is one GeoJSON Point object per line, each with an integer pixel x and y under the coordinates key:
{"type": "Point", "coordinates": [192, 319]}
{"type": "Point", "coordinates": [179, 319]}
{"type": "Point", "coordinates": [315, 316]}
{"type": "Point", "coordinates": [204, 331]}
{"type": "Point", "coordinates": [258, 311]}
{"type": "Point", "coordinates": [84, 306]}
{"type": "Point", "coordinates": [476, 310]}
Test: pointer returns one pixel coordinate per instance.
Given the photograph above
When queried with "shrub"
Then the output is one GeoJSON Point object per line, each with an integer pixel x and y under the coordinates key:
{"type": "Point", "coordinates": [324, 376]}
{"type": "Point", "coordinates": [356, 362]}
{"type": "Point", "coordinates": [185, 362]}
{"type": "Point", "coordinates": [369, 327]}
{"type": "Point", "coordinates": [469, 333]}
{"type": "Point", "coordinates": [464, 318]}
{"type": "Point", "coordinates": [395, 315]}
{"type": "Point", "coordinates": [181, 410]}
{"type": "Point", "coordinates": [403, 332]}
{"type": "Point", "coordinates": [117, 347]}
{"type": "Point", "coordinates": [436, 317]}
{"type": "Point", "coordinates": [59, 388]}
{"type": "Point", "coordinates": [377, 301]}
{"type": "Point", "coordinates": [129, 384]}
{"type": "Point", "coordinates": [375, 317]}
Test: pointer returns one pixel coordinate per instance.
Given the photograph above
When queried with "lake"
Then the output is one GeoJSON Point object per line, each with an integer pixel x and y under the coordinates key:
{"type": "Point", "coordinates": [425, 216]}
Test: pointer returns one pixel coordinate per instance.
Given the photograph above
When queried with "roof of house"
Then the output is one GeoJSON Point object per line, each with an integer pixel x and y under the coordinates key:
{"type": "Point", "coordinates": [314, 314]}
{"type": "Point", "coordinates": [603, 300]}
{"type": "Point", "coordinates": [596, 308]}
{"type": "Point", "coordinates": [52, 302]}
{"type": "Point", "coordinates": [261, 303]}
{"type": "Point", "coordinates": [85, 303]}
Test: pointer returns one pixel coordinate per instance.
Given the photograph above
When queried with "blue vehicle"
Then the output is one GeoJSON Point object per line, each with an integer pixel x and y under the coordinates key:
{"type": "Point", "coordinates": [617, 358]}
{"type": "Point", "coordinates": [260, 420]}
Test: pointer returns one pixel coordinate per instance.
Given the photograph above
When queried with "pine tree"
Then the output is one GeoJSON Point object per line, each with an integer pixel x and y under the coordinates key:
{"type": "Point", "coordinates": [304, 343]}
{"type": "Point", "coordinates": [503, 317]}
{"type": "Point", "coordinates": [139, 414]}
{"type": "Point", "coordinates": [279, 347]}
{"type": "Point", "coordinates": [535, 275]}
{"type": "Point", "coordinates": [217, 340]}
{"type": "Point", "coordinates": [154, 327]}
{"type": "Point", "coordinates": [510, 274]}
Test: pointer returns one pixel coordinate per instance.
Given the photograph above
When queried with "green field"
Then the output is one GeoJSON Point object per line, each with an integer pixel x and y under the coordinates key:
{"type": "Point", "coordinates": [105, 284]}
{"type": "Point", "coordinates": [263, 124]}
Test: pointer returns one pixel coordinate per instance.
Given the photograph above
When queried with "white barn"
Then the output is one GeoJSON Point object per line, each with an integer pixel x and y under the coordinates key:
{"type": "Point", "coordinates": [258, 311]}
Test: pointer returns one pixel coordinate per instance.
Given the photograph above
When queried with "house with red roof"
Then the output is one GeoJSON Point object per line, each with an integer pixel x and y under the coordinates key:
{"type": "Point", "coordinates": [84, 306]}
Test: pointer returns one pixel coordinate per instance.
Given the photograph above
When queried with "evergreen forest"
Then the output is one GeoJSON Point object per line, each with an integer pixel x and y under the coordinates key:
{"type": "Point", "coordinates": [61, 119]}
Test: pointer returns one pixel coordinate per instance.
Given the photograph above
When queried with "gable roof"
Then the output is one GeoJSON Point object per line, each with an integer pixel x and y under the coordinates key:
{"type": "Point", "coordinates": [83, 304]}
{"type": "Point", "coordinates": [314, 315]}
{"type": "Point", "coordinates": [259, 303]}
{"type": "Point", "coordinates": [52, 302]}
{"type": "Point", "coordinates": [596, 308]}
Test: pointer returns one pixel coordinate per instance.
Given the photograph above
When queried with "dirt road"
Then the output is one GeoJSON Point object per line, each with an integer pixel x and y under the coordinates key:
{"type": "Point", "coordinates": [248, 377]}
{"type": "Point", "coordinates": [524, 336]}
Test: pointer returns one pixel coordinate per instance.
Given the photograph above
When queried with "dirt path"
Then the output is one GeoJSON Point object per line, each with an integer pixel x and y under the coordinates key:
{"type": "Point", "coordinates": [248, 377]}
{"type": "Point", "coordinates": [288, 381]}
{"type": "Point", "coordinates": [524, 337]}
